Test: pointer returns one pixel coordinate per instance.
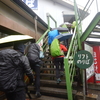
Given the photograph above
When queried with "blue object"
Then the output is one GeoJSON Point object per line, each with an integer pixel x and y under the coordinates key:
{"type": "Point", "coordinates": [52, 35]}
{"type": "Point", "coordinates": [64, 36]}
{"type": "Point", "coordinates": [41, 54]}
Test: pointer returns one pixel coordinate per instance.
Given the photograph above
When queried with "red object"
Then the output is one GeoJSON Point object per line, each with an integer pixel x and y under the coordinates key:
{"type": "Point", "coordinates": [63, 48]}
{"type": "Point", "coordinates": [96, 54]}
{"type": "Point", "coordinates": [91, 79]}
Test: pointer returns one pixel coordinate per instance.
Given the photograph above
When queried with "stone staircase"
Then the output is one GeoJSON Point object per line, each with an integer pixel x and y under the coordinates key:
{"type": "Point", "coordinates": [50, 89]}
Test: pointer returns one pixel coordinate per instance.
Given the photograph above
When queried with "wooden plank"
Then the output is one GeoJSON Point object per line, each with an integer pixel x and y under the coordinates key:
{"type": "Point", "coordinates": [95, 86]}
{"type": "Point", "coordinates": [88, 96]}
{"type": "Point", "coordinates": [52, 91]}
{"type": "Point", "coordinates": [45, 98]}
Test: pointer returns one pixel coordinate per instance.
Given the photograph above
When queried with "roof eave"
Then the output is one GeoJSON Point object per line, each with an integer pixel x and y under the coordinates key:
{"type": "Point", "coordinates": [28, 10]}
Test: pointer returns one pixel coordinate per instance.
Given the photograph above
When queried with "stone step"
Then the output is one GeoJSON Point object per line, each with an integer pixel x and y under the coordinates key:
{"type": "Point", "coordinates": [91, 94]}
{"type": "Point", "coordinates": [47, 74]}
{"type": "Point", "coordinates": [95, 86]}
{"type": "Point", "coordinates": [54, 92]}
{"type": "Point", "coordinates": [79, 96]}
{"type": "Point", "coordinates": [43, 97]}
{"type": "Point", "coordinates": [49, 69]}
{"type": "Point", "coordinates": [52, 83]}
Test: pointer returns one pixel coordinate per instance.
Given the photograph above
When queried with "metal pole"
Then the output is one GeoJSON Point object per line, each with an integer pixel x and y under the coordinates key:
{"type": "Point", "coordinates": [48, 21]}
{"type": "Point", "coordinates": [84, 85]}
{"type": "Point", "coordinates": [86, 90]}
{"type": "Point", "coordinates": [84, 79]}
{"type": "Point", "coordinates": [35, 28]}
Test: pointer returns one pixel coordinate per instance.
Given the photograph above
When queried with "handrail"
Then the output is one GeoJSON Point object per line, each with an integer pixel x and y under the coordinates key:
{"type": "Point", "coordinates": [91, 26]}
{"type": "Point", "coordinates": [70, 47]}
{"type": "Point", "coordinates": [78, 24]}
{"type": "Point", "coordinates": [48, 18]}
{"type": "Point", "coordinates": [87, 8]}
{"type": "Point", "coordinates": [43, 36]}
{"type": "Point", "coordinates": [75, 45]}
{"type": "Point", "coordinates": [70, 65]}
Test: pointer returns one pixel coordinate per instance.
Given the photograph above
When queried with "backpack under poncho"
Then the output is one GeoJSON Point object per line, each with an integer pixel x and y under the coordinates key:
{"type": "Point", "coordinates": [55, 48]}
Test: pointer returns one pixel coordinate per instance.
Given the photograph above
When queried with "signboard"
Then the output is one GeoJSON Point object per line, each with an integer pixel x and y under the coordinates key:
{"type": "Point", "coordinates": [83, 59]}
{"type": "Point", "coordinates": [90, 71]}
{"type": "Point", "coordinates": [96, 53]}
{"type": "Point", "coordinates": [33, 4]}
